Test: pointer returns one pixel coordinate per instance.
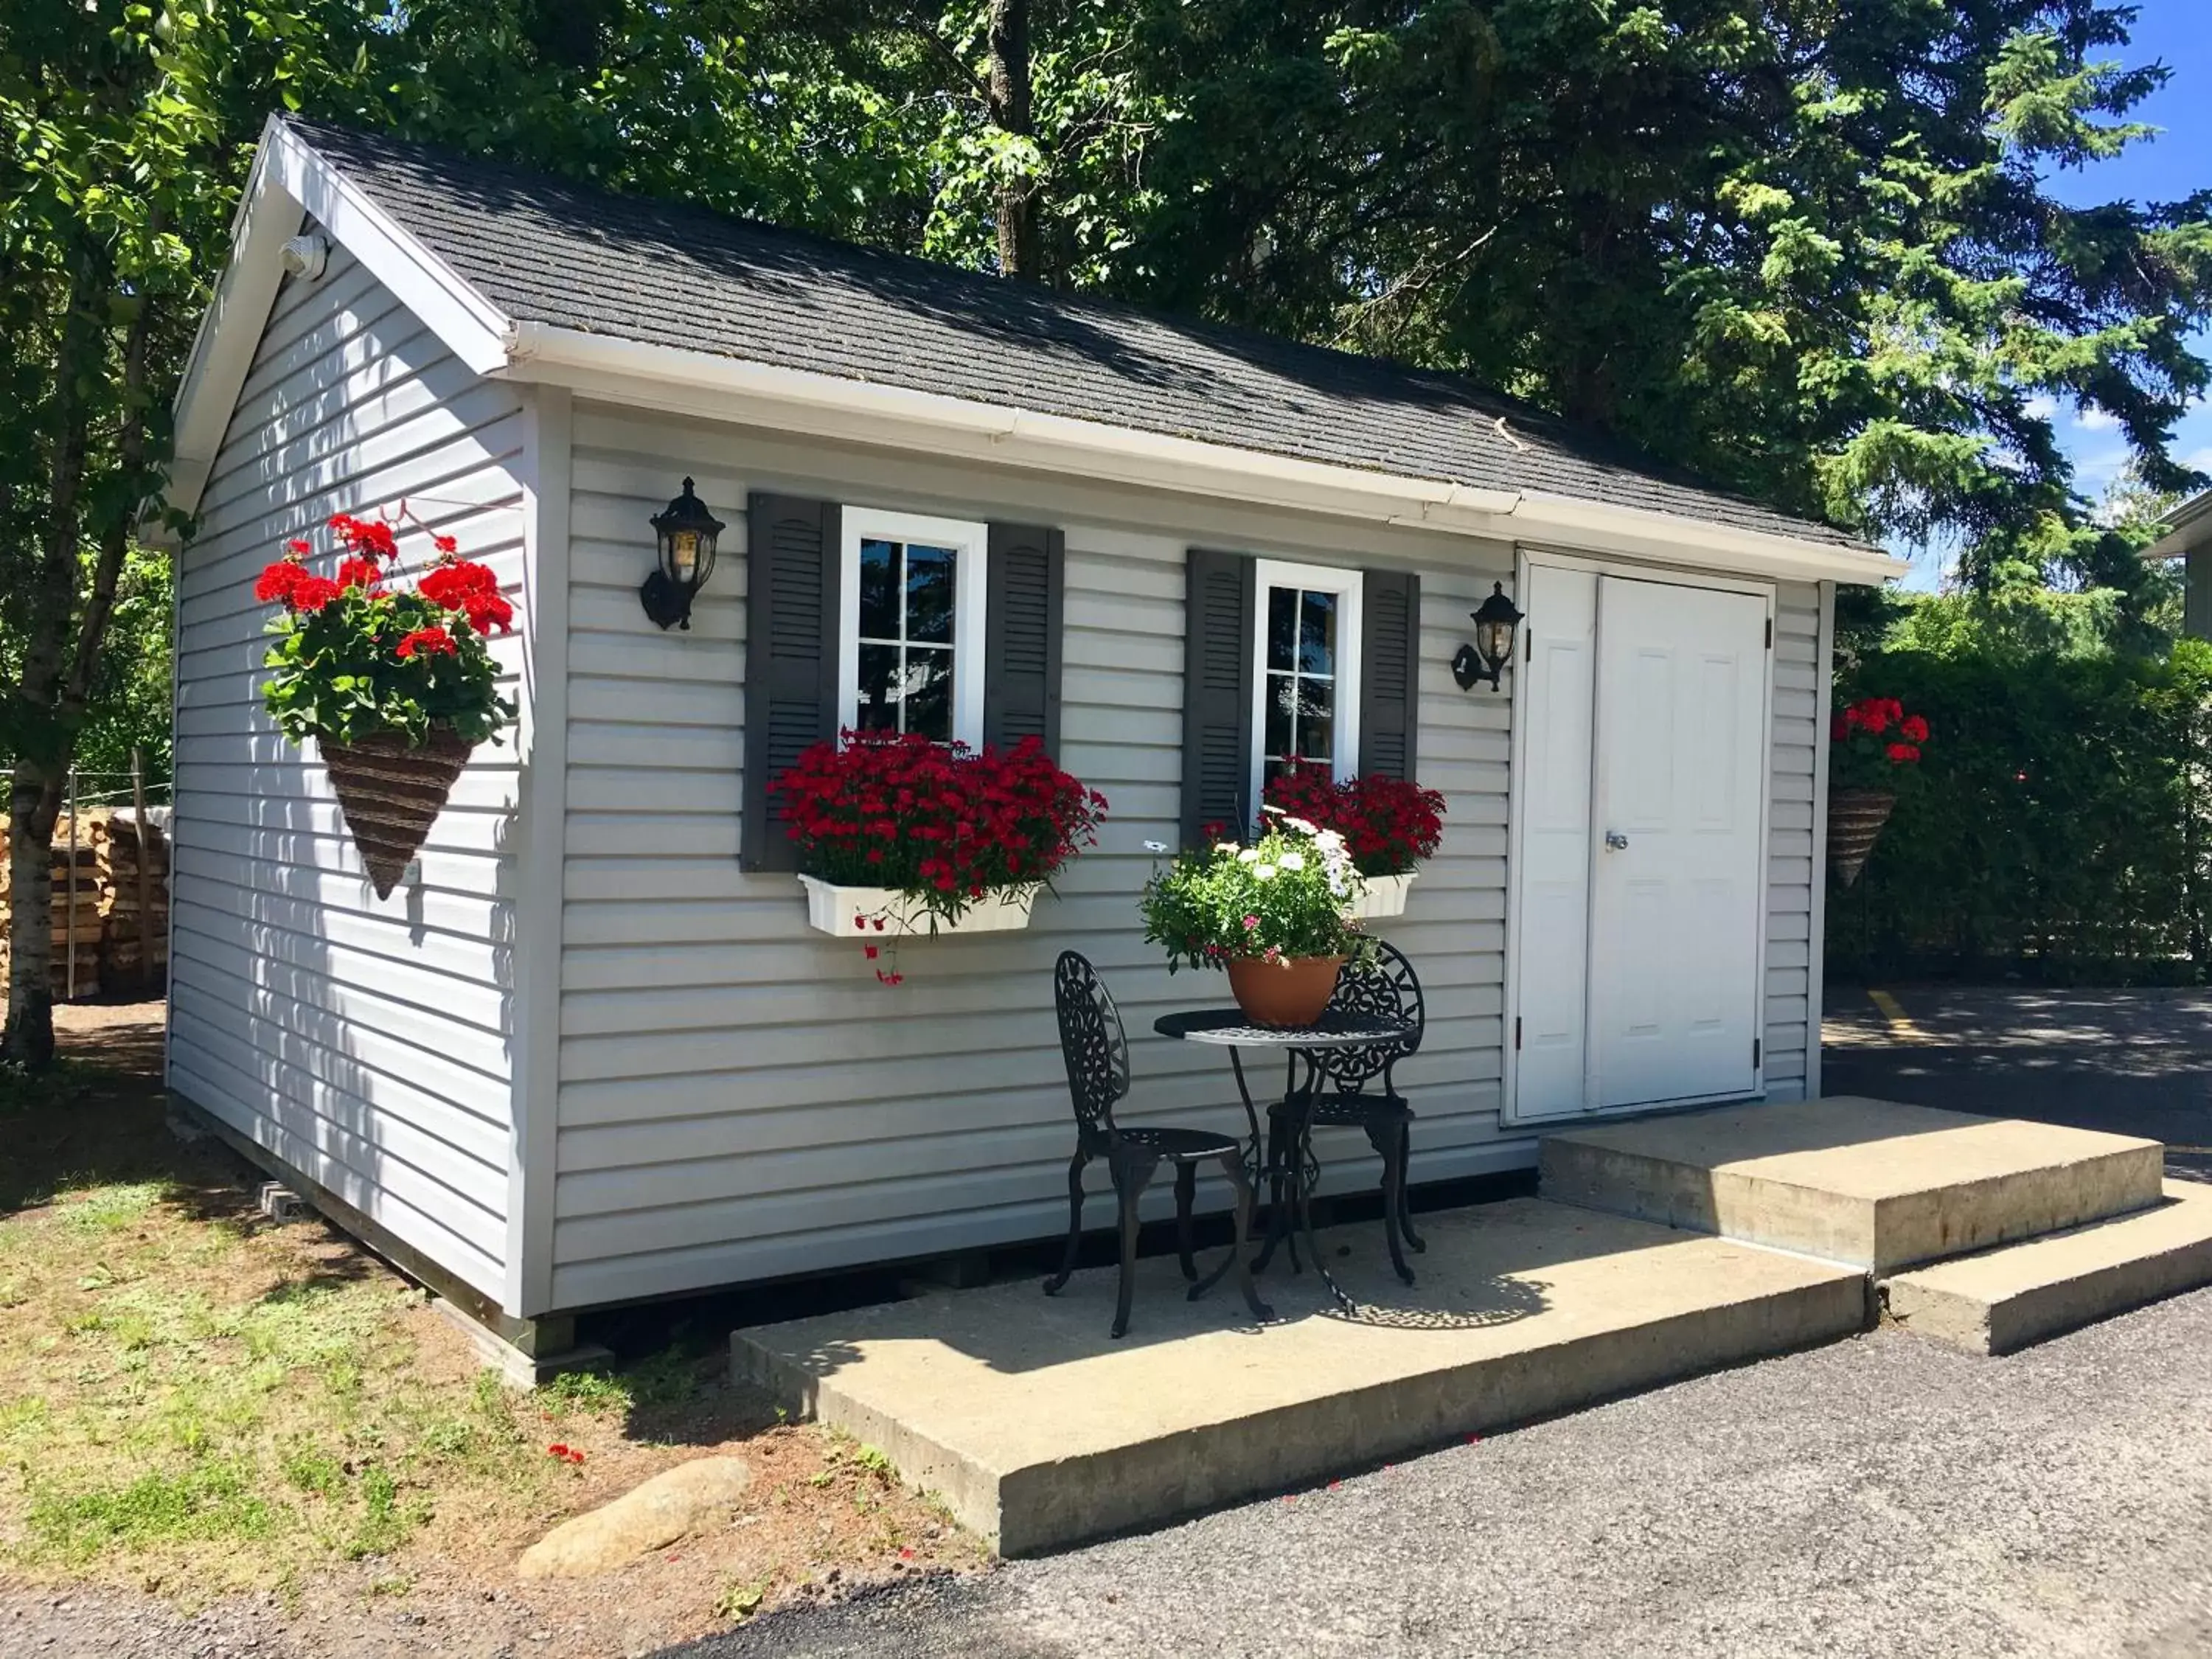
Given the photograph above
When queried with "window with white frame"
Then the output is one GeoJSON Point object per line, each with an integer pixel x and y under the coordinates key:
{"type": "Point", "coordinates": [1305, 679]}
{"type": "Point", "coordinates": [910, 650]}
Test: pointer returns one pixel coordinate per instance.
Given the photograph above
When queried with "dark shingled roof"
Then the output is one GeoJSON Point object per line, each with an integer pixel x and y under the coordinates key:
{"type": "Point", "coordinates": [665, 273]}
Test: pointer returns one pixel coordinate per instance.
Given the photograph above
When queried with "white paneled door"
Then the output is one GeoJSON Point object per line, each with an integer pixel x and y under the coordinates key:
{"type": "Point", "coordinates": [1639, 843]}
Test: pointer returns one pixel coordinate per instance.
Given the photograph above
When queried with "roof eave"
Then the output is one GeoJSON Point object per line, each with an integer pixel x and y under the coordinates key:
{"type": "Point", "coordinates": [2188, 527]}
{"type": "Point", "coordinates": [830, 406]}
{"type": "Point", "coordinates": [291, 181]}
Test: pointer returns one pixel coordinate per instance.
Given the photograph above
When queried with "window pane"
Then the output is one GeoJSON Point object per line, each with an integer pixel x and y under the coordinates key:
{"type": "Point", "coordinates": [929, 693]}
{"type": "Point", "coordinates": [1282, 626]}
{"type": "Point", "coordinates": [879, 614]}
{"type": "Point", "coordinates": [1282, 698]}
{"type": "Point", "coordinates": [879, 675]}
{"type": "Point", "coordinates": [929, 593]}
{"type": "Point", "coordinates": [1317, 718]}
{"type": "Point", "coordinates": [1317, 633]}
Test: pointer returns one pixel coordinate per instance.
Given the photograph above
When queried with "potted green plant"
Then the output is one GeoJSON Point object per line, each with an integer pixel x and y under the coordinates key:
{"type": "Point", "coordinates": [1390, 825]}
{"type": "Point", "coordinates": [1273, 913]}
{"type": "Point", "coordinates": [1873, 747]}
{"type": "Point", "coordinates": [396, 685]}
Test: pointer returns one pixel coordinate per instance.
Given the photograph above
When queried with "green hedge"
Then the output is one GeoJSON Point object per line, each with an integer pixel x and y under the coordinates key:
{"type": "Point", "coordinates": [2061, 825]}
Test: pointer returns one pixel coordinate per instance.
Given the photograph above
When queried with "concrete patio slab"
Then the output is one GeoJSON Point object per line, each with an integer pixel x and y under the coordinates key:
{"type": "Point", "coordinates": [2006, 1298]}
{"type": "Point", "coordinates": [1040, 1431]}
{"type": "Point", "coordinates": [1871, 1183]}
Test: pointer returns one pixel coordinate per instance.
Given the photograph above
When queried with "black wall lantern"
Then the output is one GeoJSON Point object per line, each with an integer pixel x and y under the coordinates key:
{"type": "Point", "coordinates": [686, 533]}
{"type": "Point", "coordinates": [1492, 649]}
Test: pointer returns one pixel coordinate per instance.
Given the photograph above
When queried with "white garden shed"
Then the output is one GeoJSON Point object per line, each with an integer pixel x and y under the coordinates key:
{"type": "Point", "coordinates": [591, 1049]}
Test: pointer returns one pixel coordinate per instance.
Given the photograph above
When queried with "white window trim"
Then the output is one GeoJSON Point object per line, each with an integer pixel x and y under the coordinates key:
{"type": "Point", "coordinates": [1347, 586]}
{"type": "Point", "coordinates": [970, 544]}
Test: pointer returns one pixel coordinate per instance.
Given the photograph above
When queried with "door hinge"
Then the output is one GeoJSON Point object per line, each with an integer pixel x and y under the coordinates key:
{"type": "Point", "coordinates": [1755, 1053]}
{"type": "Point", "coordinates": [1529, 646]}
{"type": "Point", "coordinates": [1516, 1034]}
{"type": "Point", "coordinates": [1770, 632]}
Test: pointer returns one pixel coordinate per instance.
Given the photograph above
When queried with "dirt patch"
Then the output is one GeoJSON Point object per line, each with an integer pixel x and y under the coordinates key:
{"type": "Point", "coordinates": [213, 1428]}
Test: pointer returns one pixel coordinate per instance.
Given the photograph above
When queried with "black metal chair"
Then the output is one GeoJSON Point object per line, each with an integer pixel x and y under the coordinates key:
{"type": "Point", "coordinates": [1354, 1088]}
{"type": "Point", "coordinates": [1092, 1042]}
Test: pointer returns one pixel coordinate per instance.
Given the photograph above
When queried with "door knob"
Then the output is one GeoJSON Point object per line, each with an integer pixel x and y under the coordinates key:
{"type": "Point", "coordinates": [1615, 841]}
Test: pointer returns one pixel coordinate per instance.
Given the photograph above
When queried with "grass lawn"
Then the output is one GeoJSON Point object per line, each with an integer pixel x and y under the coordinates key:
{"type": "Point", "coordinates": [198, 1403]}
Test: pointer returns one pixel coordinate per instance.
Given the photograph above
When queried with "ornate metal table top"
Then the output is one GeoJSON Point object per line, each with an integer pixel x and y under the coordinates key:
{"type": "Point", "coordinates": [1232, 1028]}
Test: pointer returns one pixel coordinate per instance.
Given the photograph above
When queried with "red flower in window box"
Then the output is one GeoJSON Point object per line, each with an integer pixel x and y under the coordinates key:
{"type": "Point", "coordinates": [1390, 825]}
{"type": "Point", "coordinates": [941, 826]}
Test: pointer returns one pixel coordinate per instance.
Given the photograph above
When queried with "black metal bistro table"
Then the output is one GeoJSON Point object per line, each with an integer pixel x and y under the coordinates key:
{"type": "Point", "coordinates": [1232, 1029]}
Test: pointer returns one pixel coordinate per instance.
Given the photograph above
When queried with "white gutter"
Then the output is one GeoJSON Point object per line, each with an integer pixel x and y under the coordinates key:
{"type": "Point", "coordinates": [2188, 527]}
{"type": "Point", "coordinates": [826, 406]}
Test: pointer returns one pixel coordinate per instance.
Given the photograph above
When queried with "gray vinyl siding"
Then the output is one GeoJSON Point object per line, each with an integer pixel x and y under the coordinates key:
{"type": "Point", "coordinates": [1799, 692]}
{"type": "Point", "coordinates": [362, 1041]}
{"type": "Point", "coordinates": [740, 1098]}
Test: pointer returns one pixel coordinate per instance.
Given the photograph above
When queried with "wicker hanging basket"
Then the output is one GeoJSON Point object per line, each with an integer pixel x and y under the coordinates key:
{"type": "Point", "coordinates": [392, 792]}
{"type": "Point", "coordinates": [1855, 817]}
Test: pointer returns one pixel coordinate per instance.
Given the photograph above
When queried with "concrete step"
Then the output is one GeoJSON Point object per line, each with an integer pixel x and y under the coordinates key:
{"type": "Point", "coordinates": [2009, 1298]}
{"type": "Point", "coordinates": [1872, 1183]}
{"type": "Point", "coordinates": [1039, 1431]}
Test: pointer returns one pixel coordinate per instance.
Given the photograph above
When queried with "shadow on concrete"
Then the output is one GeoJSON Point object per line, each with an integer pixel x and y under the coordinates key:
{"type": "Point", "coordinates": [2135, 1062]}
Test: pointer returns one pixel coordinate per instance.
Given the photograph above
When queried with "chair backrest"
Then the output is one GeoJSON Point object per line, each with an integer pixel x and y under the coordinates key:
{"type": "Point", "coordinates": [1385, 989]}
{"type": "Point", "coordinates": [1091, 1042]}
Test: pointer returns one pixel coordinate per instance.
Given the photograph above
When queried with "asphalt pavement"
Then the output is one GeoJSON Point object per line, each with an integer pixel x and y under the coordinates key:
{"type": "Point", "coordinates": [1883, 1496]}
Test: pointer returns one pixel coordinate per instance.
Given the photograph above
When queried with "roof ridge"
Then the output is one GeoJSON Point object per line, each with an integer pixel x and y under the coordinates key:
{"type": "Point", "coordinates": [1025, 311]}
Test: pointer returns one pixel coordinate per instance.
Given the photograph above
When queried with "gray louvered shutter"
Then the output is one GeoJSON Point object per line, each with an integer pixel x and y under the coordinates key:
{"type": "Point", "coordinates": [1389, 672]}
{"type": "Point", "coordinates": [791, 657]}
{"type": "Point", "coordinates": [1217, 693]}
{"type": "Point", "coordinates": [1022, 610]}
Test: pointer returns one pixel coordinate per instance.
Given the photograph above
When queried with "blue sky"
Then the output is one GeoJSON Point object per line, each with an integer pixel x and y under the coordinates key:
{"type": "Point", "coordinates": [2179, 34]}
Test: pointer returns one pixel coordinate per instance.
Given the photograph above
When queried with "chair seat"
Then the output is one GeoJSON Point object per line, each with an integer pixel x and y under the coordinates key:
{"type": "Point", "coordinates": [1341, 1111]}
{"type": "Point", "coordinates": [1182, 1145]}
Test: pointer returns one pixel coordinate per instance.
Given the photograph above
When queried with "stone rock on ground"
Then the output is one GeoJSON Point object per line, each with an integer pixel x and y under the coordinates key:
{"type": "Point", "coordinates": [650, 1516]}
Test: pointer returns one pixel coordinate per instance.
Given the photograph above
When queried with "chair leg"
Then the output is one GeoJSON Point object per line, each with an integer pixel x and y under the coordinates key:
{"type": "Point", "coordinates": [1129, 1182]}
{"type": "Point", "coordinates": [1390, 1145]}
{"type": "Point", "coordinates": [1273, 1170]}
{"type": "Point", "coordinates": [1405, 1179]}
{"type": "Point", "coordinates": [1234, 1163]}
{"type": "Point", "coordinates": [1186, 1200]}
{"type": "Point", "coordinates": [1058, 1282]}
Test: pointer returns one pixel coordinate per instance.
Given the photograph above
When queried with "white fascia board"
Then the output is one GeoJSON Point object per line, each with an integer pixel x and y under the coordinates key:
{"type": "Point", "coordinates": [705, 386]}
{"type": "Point", "coordinates": [2189, 527]}
{"type": "Point", "coordinates": [289, 181]}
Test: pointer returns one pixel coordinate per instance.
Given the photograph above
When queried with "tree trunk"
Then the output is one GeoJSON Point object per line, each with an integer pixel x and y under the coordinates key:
{"type": "Point", "coordinates": [34, 804]}
{"type": "Point", "coordinates": [1011, 112]}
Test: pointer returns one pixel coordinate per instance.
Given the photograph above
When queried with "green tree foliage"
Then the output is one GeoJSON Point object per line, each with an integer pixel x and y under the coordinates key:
{"type": "Point", "coordinates": [127, 136]}
{"type": "Point", "coordinates": [2061, 825]}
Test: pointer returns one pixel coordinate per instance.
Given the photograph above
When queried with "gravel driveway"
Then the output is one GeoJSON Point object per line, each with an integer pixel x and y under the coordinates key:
{"type": "Point", "coordinates": [1880, 1497]}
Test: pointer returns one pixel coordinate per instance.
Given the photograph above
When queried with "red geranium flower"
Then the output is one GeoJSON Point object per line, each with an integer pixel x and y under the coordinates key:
{"type": "Point", "coordinates": [365, 573]}
{"type": "Point", "coordinates": [1912, 729]}
{"type": "Point", "coordinates": [312, 593]}
{"type": "Point", "coordinates": [1902, 754]}
{"type": "Point", "coordinates": [427, 642]}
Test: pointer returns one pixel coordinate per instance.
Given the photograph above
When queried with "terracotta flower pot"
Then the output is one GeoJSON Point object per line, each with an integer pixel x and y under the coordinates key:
{"type": "Point", "coordinates": [1855, 817]}
{"type": "Point", "coordinates": [392, 792]}
{"type": "Point", "coordinates": [1290, 991]}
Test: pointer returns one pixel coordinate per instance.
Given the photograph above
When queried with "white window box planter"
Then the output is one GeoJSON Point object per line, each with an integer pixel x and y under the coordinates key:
{"type": "Point", "coordinates": [1385, 897]}
{"type": "Point", "coordinates": [852, 912]}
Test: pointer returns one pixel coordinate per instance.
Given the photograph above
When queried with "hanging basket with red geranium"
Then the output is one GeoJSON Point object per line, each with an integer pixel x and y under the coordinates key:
{"type": "Point", "coordinates": [396, 685]}
{"type": "Point", "coordinates": [1390, 826]}
{"type": "Point", "coordinates": [1874, 749]}
{"type": "Point", "coordinates": [899, 835]}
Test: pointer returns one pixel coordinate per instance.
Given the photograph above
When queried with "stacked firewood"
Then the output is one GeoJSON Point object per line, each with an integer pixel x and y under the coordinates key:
{"type": "Point", "coordinates": [118, 925]}
{"type": "Point", "coordinates": [134, 915]}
